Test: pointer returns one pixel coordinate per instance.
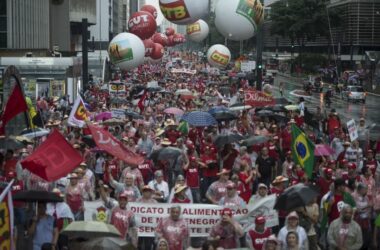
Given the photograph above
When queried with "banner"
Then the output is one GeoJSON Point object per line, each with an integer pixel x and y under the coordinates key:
{"type": "Point", "coordinates": [107, 142]}
{"type": "Point", "coordinates": [352, 130]}
{"type": "Point", "coordinates": [258, 99]}
{"type": "Point", "coordinates": [53, 159]}
{"type": "Point", "coordinates": [184, 71]}
{"type": "Point", "coordinates": [78, 114]}
{"type": "Point", "coordinates": [247, 66]}
{"type": "Point", "coordinates": [6, 219]}
{"type": "Point", "coordinates": [200, 217]}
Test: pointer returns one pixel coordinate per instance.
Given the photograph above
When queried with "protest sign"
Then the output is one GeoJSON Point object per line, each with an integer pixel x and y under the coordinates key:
{"type": "Point", "coordinates": [352, 130]}
{"type": "Point", "coordinates": [247, 66]}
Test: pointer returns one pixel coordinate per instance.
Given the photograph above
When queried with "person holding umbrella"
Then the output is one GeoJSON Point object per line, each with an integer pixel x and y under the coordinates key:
{"type": "Point", "coordinates": [43, 228]}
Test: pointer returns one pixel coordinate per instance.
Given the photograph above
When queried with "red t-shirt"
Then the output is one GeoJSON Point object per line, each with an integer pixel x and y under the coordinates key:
{"type": "Point", "coordinates": [10, 166]}
{"type": "Point", "coordinates": [192, 177]}
{"type": "Point", "coordinates": [229, 162]}
{"type": "Point", "coordinates": [173, 135]}
{"type": "Point", "coordinates": [115, 170]}
{"type": "Point", "coordinates": [286, 140]}
{"type": "Point", "coordinates": [258, 239]}
{"type": "Point", "coordinates": [334, 214]}
{"type": "Point", "coordinates": [207, 159]}
{"type": "Point", "coordinates": [146, 170]}
{"type": "Point", "coordinates": [176, 200]}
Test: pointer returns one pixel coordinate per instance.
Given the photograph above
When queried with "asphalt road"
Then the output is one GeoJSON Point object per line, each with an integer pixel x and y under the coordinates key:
{"type": "Point", "coordinates": [347, 110]}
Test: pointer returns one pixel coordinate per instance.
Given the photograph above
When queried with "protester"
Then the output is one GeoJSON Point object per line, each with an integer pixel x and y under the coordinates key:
{"type": "Point", "coordinates": [257, 237]}
{"type": "Point", "coordinates": [232, 200]}
{"type": "Point", "coordinates": [345, 233]}
{"type": "Point", "coordinates": [292, 224]}
{"type": "Point", "coordinates": [218, 189]}
{"type": "Point", "coordinates": [75, 197]}
{"type": "Point", "coordinates": [160, 187]}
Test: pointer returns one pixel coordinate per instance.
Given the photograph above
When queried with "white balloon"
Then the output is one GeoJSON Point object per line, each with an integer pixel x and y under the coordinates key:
{"type": "Point", "coordinates": [126, 50]}
{"type": "Point", "coordinates": [183, 11]}
{"type": "Point", "coordinates": [235, 20]}
{"type": "Point", "coordinates": [197, 31]}
{"type": "Point", "coordinates": [218, 56]}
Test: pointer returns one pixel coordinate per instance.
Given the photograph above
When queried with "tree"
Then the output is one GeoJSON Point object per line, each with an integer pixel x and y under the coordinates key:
{"type": "Point", "coordinates": [301, 20]}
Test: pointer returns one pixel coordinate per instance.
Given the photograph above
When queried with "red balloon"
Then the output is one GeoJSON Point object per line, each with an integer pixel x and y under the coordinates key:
{"type": "Point", "coordinates": [142, 24]}
{"type": "Point", "coordinates": [169, 31]}
{"type": "Point", "coordinates": [158, 51]}
{"type": "Point", "coordinates": [178, 38]}
{"type": "Point", "coordinates": [170, 41]}
{"type": "Point", "coordinates": [160, 38]}
{"type": "Point", "coordinates": [151, 9]}
{"type": "Point", "coordinates": [149, 46]}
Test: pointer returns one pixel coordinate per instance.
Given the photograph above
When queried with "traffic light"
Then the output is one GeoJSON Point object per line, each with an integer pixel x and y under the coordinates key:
{"type": "Point", "coordinates": [260, 66]}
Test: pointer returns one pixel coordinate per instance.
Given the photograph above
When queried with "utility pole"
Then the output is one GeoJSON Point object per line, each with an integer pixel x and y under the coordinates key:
{"type": "Point", "coordinates": [85, 53]}
{"type": "Point", "coordinates": [259, 57]}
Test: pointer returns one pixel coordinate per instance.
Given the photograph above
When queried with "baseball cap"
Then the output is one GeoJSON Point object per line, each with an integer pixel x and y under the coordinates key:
{"type": "Point", "coordinates": [260, 220]}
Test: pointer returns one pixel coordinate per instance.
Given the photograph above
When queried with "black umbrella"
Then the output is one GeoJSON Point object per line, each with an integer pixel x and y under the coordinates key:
{"type": "Point", "coordinates": [277, 108]}
{"type": "Point", "coordinates": [281, 100]}
{"type": "Point", "coordinates": [134, 114]}
{"type": "Point", "coordinates": [255, 140]}
{"type": "Point", "coordinates": [89, 141]}
{"type": "Point", "coordinates": [222, 140]}
{"type": "Point", "coordinates": [154, 89]}
{"type": "Point", "coordinates": [264, 112]}
{"type": "Point", "coordinates": [296, 196]}
{"type": "Point", "coordinates": [168, 153]}
{"type": "Point", "coordinates": [224, 116]}
{"type": "Point", "coordinates": [37, 196]}
{"type": "Point", "coordinates": [280, 119]}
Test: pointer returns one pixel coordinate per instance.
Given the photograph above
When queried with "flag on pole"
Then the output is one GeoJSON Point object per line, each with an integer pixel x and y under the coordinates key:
{"type": "Point", "coordinates": [302, 150]}
{"type": "Point", "coordinates": [6, 219]}
{"type": "Point", "coordinates": [141, 103]}
{"type": "Point", "coordinates": [15, 105]}
{"type": "Point", "coordinates": [78, 115]}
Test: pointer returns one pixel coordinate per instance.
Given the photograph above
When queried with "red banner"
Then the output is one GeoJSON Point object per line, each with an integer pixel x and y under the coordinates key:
{"type": "Point", "coordinates": [53, 159]}
{"type": "Point", "coordinates": [258, 99]}
{"type": "Point", "coordinates": [107, 142]}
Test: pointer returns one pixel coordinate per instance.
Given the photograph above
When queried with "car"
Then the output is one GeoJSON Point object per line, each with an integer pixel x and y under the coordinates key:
{"type": "Point", "coordinates": [354, 93]}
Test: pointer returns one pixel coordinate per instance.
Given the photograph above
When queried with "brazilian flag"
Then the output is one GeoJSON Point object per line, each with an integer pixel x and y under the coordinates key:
{"type": "Point", "coordinates": [183, 127]}
{"type": "Point", "coordinates": [302, 150]}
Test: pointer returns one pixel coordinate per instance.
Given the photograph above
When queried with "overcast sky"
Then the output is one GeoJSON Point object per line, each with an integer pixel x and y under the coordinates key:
{"type": "Point", "coordinates": [155, 4]}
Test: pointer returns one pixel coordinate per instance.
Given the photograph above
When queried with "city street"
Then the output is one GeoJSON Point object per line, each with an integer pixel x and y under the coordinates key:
{"type": "Point", "coordinates": [347, 110]}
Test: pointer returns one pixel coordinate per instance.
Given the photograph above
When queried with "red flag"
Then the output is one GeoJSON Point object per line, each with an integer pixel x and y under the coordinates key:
{"type": "Point", "coordinates": [15, 105]}
{"type": "Point", "coordinates": [53, 159]}
{"type": "Point", "coordinates": [107, 142]}
{"type": "Point", "coordinates": [140, 104]}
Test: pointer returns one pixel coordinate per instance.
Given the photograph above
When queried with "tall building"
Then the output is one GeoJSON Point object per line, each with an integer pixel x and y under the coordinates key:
{"type": "Point", "coordinates": [141, 3]}
{"type": "Point", "coordinates": [42, 25]}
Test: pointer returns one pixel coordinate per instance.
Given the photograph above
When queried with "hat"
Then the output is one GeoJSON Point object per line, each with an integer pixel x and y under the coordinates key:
{"type": "Point", "coordinates": [352, 165]}
{"type": "Point", "coordinates": [166, 142]}
{"type": "Point", "coordinates": [346, 143]}
{"type": "Point", "coordinates": [83, 164]}
{"type": "Point", "coordinates": [273, 239]}
{"type": "Point", "coordinates": [180, 178]}
{"type": "Point", "coordinates": [65, 117]}
{"type": "Point", "coordinates": [11, 174]}
{"type": "Point", "coordinates": [58, 192]}
{"type": "Point", "coordinates": [369, 151]}
{"type": "Point", "coordinates": [260, 220]}
{"type": "Point", "coordinates": [169, 122]}
{"type": "Point", "coordinates": [293, 215]}
{"type": "Point", "coordinates": [231, 185]}
{"type": "Point", "coordinates": [226, 211]}
{"type": "Point", "coordinates": [179, 188]}
{"type": "Point", "coordinates": [262, 185]}
{"type": "Point", "coordinates": [147, 188]}
{"type": "Point", "coordinates": [158, 173]}
{"type": "Point", "coordinates": [159, 132]}
{"type": "Point", "coordinates": [279, 179]}
{"type": "Point", "coordinates": [73, 176]}
{"type": "Point", "coordinates": [362, 119]}
{"type": "Point", "coordinates": [125, 138]}
{"type": "Point", "coordinates": [328, 171]}
{"type": "Point", "coordinates": [289, 153]}
{"type": "Point", "coordinates": [224, 171]}
{"type": "Point", "coordinates": [76, 146]}
{"type": "Point", "coordinates": [123, 195]}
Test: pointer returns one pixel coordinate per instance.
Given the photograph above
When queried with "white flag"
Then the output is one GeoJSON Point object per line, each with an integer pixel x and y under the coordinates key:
{"type": "Point", "coordinates": [78, 114]}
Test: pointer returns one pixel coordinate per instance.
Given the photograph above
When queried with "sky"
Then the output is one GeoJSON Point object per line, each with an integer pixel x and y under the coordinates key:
{"type": "Point", "coordinates": [155, 4]}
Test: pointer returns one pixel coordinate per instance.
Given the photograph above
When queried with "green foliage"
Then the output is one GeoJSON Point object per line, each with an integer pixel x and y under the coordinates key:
{"type": "Point", "coordinates": [311, 62]}
{"type": "Point", "coordinates": [301, 20]}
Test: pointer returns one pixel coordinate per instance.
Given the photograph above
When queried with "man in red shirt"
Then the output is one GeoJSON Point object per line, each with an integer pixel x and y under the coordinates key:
{"type": "Point", "coordinates": [229, 155]}
{"type": "Point", "coordinates": [146, 169]}
{"type": "Point", "coordinates": [10, 162]}
{"type": "Point", "coordinates": [286, 138]}
{"type": "Point", "coordinates": [209, 170]}
{"type": "Point", "coordinates": [192, 178]}
{"type": "Point", "coordinates": [256, 237]}
{"type": "Point", "coordinates": [325, 182]}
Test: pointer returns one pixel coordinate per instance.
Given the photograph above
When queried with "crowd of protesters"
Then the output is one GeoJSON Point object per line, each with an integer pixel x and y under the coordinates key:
{"type": "Point", "coordinates": [233, 176]}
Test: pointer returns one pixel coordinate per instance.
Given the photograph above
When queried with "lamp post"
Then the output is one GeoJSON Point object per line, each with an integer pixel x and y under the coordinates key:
{"type": "Point", "coordinates": [259, 57]}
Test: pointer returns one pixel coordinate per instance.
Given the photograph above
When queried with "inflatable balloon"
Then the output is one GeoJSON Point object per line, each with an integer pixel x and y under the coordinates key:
{"type": "Point", "coordinates": [151, 9]}
{"type": "Point", "coordinates": [197, 31]}
{"type": "Point", "coordinates": [169, 31]}
{"type": "Point", "coordinates": [183, 11]}
{"type": "Point", "coordinates": [178, 38]}
{"type": "Point", "coordinates": [126, 50]}
{"type": "Point", "coordinates": [170, 41]}
{"type": "Point", "coordinates": [158, 51]}
{"type": "Point", "coordinates": [142, 24]}
{"type": "Point", "coordinates": [149, 46]}
{"type": "Point", "coordinates": [237, 20]}
{"type": "Point", "coordinates": [218, 56]}
{"type": "Point", "coordinates": [160, 38]}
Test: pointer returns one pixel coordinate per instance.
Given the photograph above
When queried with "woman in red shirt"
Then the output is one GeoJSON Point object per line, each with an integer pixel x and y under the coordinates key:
{"type": "Point", "coordinates": [179, 195]}
{"type": "Point", "coordinates": [247, 177]}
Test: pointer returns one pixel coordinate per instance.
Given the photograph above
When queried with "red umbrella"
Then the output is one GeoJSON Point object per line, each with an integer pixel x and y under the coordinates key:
{"type": "Point", "coordinates": [323, 150]}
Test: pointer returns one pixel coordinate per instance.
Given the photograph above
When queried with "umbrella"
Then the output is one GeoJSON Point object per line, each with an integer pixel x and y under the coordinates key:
{"type": "Point", "coordinates": [264, 112]}
{"type": "Point", "coordinates": [222, 140]}
{"type": "Point", "coordinates": [217, 109]}
{"type": "Point", "coordinates": [239, 106]}
{"type": "Point", "coordinates": [113, 122]}
{"type": "Point", "coordinates": [165, 153]}
{"type": "Point", "coordinates": [11, 143]}
{"type": "Point", "coordinates": [104, 243]}
{"type": "Point", "coordinates": [255, 140]}
{"type": "Point", "coordinates": [90, 230]}
{"type": "Point", "coordinates": [154, 89]}
{"type": "Point", "coordinates": [295, 196]}
{"type": "Point", "coordinates": [280, 119]}
{"type": "Point", "coordinates": [133, 114]}
{"type": "Point", "coordinates": [199, 119]}
{"type": "Point", "coordinates": [36, 196]}
{"type": "Point", "coordinates": [24, 139]}
{"type": "Point", "coordinates": [35, 132]}
{"type": "Point", "coordinates": [174, 111]}
{"type": "Point", "coordinates": [281, 101]}
{"type": "Point", "coordinates": [89, 141]}
{"type": "Point", "coordinates": [103, 116]}
{"type": "Point", "coordinates": [183, 92]}
{"type": "Point", "coordinates": [323, 150]}
{"type": "Point", "coordinates": [291, 107]}
{"type": "Point", "coordinates": [225, 116]}
{"type": "Point", "coordinates": [276, 108]}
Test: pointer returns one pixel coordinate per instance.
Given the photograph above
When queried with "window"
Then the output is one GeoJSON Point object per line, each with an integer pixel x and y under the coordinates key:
{"type": "Point", "coordinates": [3, 7]}
{"type": "Point", "coordinates": [3, 23]}
{"type": "Point", "coordinates": [3, 40]}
